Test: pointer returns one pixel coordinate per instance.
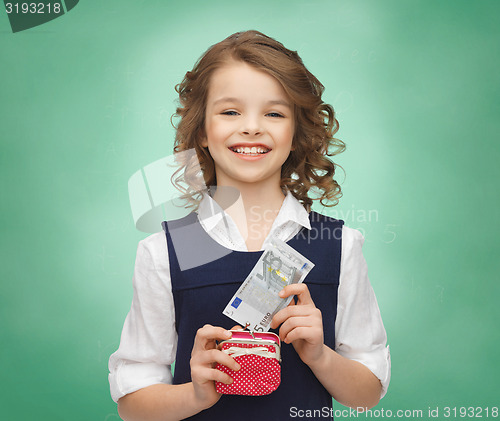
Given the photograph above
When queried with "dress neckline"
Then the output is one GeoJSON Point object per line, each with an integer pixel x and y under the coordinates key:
{"type": "Point", "coordinates": [295, 237]}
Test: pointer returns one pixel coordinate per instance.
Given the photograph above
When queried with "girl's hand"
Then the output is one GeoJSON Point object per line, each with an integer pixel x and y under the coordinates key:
{"type": "Point", "coordinates": [204, 357]}
{"type": "Point", "coordinates": [301, 324]}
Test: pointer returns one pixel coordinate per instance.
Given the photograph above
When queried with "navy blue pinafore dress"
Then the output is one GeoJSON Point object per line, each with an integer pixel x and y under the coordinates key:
{"type": "Point", "coordinates": [205, 276]}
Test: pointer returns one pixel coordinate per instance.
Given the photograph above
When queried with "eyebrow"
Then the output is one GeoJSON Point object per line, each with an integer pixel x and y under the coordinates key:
{"type": "Point", "coordinates": [271, 102]}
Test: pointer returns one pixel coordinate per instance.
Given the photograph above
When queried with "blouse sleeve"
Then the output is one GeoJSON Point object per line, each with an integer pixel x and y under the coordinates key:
{"type": "Point", "coordinates": [359, 332]}
{"type": "Point", "coordinates": [149, 339]}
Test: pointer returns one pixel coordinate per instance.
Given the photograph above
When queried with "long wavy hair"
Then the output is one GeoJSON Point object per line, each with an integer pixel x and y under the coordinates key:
{"type": "Point", "coordinates": [308, 171]}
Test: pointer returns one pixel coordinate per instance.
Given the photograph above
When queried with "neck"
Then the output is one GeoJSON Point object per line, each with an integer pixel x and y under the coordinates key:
{"type": "Point", "coordinates": [255, 197]}
{"type": "Point", "coordinates": [255, 210]}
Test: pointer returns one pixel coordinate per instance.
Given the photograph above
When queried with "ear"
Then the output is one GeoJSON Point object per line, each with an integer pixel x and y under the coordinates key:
{"type": "Point", "coordinates": [294, 141]}
{"type": "Point", "coordinates": [203, 139]}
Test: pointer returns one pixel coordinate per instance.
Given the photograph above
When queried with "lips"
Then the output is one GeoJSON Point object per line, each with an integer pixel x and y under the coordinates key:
{"type": "Point", "coordinates": [253, 150]}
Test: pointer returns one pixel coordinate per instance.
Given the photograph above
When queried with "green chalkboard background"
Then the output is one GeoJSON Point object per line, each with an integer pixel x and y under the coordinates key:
{"type": "Point", "coordinates": [86, 100]}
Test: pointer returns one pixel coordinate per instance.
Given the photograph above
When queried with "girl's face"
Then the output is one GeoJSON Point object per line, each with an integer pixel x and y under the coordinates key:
{"type": "Point", "coordinates": [249, 125]}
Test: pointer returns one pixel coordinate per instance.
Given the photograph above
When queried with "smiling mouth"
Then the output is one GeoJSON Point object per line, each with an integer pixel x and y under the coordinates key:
{"type": "Point", "coordinates": [251, 151]}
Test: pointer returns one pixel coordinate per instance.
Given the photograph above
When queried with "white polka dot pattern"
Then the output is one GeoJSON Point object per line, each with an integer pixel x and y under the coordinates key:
{"type": "Point", "coordinates": [257, 376]}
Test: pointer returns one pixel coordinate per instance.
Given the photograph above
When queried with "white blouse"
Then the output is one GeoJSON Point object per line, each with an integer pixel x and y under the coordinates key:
{"type": "Point", "coordinates": [149, 339]}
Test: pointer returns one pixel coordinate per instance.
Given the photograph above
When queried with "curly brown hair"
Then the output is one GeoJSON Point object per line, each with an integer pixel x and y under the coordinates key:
{"type": "Point", "coordinates": [308, 168]}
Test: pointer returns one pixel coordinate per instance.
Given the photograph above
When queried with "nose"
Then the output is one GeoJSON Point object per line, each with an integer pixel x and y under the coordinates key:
{"type": "Point", "coordinates": [251, 126]}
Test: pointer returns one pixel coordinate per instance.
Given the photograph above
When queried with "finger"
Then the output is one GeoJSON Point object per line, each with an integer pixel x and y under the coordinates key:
{"type": "Point", "coordinates": [300, 290]}
{"type": "Point", "coordinates": [205, 374]}
{"type": "Point", "coordinates": [237, 327]}
{"type": "Point", "coordinates": [308, 334]}
{"type": "Point", "coordinates": [207, 335]}
{"type": "Point", "coordinates": [292, 311]}
{"type": "Point", "coordinates": [293, 323]}
{"type": "Point", "coordinates": [213, 356]}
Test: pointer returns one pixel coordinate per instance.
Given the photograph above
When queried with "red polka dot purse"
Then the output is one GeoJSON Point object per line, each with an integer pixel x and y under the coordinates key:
{"type": "Point", "coordinates": [258, 354]}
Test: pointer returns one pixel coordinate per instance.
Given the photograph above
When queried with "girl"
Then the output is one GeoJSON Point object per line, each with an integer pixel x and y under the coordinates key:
{"type": "Point", "coordinates": [254, 115]}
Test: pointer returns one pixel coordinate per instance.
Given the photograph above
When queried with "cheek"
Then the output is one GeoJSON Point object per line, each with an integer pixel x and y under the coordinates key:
{"type": "Point", "coordinates": [217, 132]}
{"type": "Point", "coordinates": [287, 136]}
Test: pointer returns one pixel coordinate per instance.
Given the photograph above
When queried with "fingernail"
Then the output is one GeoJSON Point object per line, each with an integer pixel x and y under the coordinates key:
{"type": "Point", "coordinates": [282, 293]}
{"type": "Point", "coordinates": [227, 333]}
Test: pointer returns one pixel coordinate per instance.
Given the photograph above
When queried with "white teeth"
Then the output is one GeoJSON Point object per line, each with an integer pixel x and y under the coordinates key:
{"type": "Point", "coordinates": [250, 151]}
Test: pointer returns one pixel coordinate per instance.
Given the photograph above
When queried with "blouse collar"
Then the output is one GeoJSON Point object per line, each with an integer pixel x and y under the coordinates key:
{"type": "Point", "coordinates": [211, 214]}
